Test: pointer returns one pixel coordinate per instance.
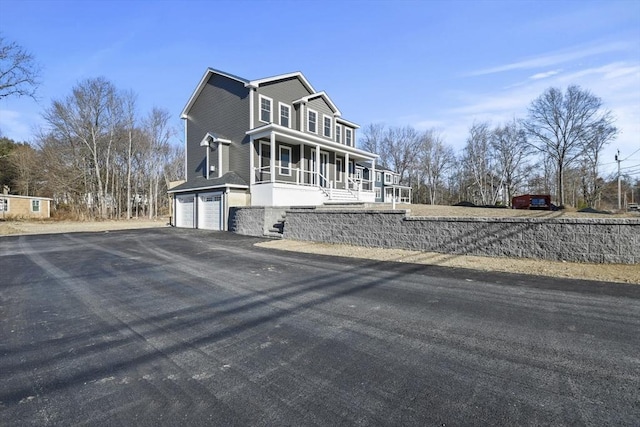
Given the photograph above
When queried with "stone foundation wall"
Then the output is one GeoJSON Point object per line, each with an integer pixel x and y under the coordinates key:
{"type": "Point", "coordinates": [558, 239]}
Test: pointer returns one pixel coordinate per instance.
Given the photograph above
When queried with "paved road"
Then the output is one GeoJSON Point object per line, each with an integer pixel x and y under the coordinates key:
{"type": "Point", "coordinates": [184, 327]}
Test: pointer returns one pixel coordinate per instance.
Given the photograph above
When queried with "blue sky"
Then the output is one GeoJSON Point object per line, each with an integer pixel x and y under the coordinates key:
{"type": "Point", "coordinates": [439, 64]}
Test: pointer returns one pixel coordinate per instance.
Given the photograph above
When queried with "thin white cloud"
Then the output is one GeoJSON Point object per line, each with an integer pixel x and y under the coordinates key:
{"type": "Point", "coordinates": [554, 58]}
{"type": "Point", "coordinates": [544, 75]}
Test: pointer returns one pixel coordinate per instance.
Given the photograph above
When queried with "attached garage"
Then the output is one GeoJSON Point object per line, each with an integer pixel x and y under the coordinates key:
{"type": "Point", "coordinates": [210, 211]}
{"type": "Point", "coordinates": [185, 211]}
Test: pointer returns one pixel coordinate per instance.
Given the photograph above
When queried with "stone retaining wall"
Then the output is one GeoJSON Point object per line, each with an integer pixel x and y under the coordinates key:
{"type": "Point", "coordinates": [558, 239]}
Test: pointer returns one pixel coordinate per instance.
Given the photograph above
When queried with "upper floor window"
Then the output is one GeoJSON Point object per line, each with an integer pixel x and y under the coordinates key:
{"type": "Point", "coordinates": [35, 206]}
{"type": "Point", "coordinates": [327, 126]}
{"type": "Point", "coordinates": [378, 177]}
{"type": "Point", "coordinates": [387, 178]}
{"type": "Point", "coordinates": [348, 137]}
{"type": "Point", "coordinates": [265, 109]}
{"type": "Point", "coordinates": [285, 115]}
{"type": "Point", "coordinates": [338, 134]}
{"type": "Point", "coordinates": [395, 179]}
{"type": "Point", "coordinates": [312, 121]}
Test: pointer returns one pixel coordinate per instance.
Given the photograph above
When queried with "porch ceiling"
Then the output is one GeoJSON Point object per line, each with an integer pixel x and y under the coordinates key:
{"type": "Point", "coordinates": [294, 137]}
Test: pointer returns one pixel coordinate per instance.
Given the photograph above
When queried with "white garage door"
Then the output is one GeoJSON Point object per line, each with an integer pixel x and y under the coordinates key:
{"type": "Point", "coordinates": [184, 211]}
{"type": "Point", "coordinates": [210, 211]}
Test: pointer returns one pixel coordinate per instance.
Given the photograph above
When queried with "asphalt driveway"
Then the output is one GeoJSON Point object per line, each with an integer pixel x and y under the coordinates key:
{"type": "Point", "coordinates": [185, 327]}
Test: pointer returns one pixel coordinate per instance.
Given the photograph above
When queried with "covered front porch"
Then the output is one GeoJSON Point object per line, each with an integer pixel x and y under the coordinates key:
{"type": "Point", "coordinates": [289, 168]}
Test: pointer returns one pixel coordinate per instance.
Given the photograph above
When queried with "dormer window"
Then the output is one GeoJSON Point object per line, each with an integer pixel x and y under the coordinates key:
{"type": "Point", "coordinates": [327, 127]}
{"type": "Point", "coordinates": [265, 109]}
{"type": "Point", "coordinates": [312, 121]}
{"type": "Point", "coordinates": [348, 137]}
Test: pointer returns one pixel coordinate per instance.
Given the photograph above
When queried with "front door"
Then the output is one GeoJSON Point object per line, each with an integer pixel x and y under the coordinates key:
{"type": "Point", "coordinates": [324, 169]}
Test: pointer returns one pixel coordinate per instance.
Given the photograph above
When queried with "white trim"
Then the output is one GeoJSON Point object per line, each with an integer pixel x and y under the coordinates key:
{"type": "Point", "coordinates": [324, 118]}
{"type": "Point", "coordinates": [252, 176]}
{"type": "Point", "coordinates": [389, 180]}
{"type": "Point", "coordinates": [280, 105]}
{"type": "Point", "coordinates": [309, 111]}
{"type": "Point", "coordinates": [185, 147]}
{"type": "Point", "coordinates": [338, 133]}
{"type": "Point", "coordinates": [39, 207]}
{"type": "Point", "coordinates": [298, 74]}
{"type": "Point", "coordinates": [260, 98]}
{"type": "Point", "coordinates": [203, 81]}
{"type": "Point", "coordinates": [252, 94]}
{"type": "Point", "coordinates": [208, 187]}
{"type": "Point", "coordinates": [322, 94]}
{"type": "Point", "coordinates": [347, 122]}
{"type": "Point", "coordinates": [288, 167]}
{"type": "Point", "coordinates": [219, 166]}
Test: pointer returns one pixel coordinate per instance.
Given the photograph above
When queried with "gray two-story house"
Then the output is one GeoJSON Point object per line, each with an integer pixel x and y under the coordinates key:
{"type": "Point", "coordinates": [268, 142]}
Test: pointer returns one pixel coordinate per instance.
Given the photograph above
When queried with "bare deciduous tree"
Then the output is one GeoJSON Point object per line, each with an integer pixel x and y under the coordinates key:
{"type": "Point", "coordinates": [510, 149]}
{"type": "Point", "coordinates": [560, 125]}
{"type": "Point", "coordinates": [434, 158]}
{"type": "Point", "coordinates": [19, 73]}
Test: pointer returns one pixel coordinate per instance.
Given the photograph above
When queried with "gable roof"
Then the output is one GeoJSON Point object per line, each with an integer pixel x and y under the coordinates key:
{"type": "Point", "coordinates": [323, 95]}
{"type": "Point", "coordinates": [203, 82]}
{"type": "Point", "coordinates": [298, 74]}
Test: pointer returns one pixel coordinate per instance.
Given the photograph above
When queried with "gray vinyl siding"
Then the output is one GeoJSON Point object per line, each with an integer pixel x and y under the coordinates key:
{"type": "Point", "coordinates": [320, 106]}
{"type": "Point", "coordinates": [286, 91]}
{"type": "Point", "coordinates": [222, 108]}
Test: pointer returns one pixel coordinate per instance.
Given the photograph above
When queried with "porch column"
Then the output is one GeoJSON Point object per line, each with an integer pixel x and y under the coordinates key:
{"type": "Point", "coordinates": [272, 157]}
{"type": "Point", "coordinates": [252, 149]}
{"type": "Point", "coordinates": [347, 167]}
{"type": "Point", "coordinates": [372, 175]}
{"type": "Point", "coordinates": [317, 171]}
{"type": "Point", "coordinates": [302, 162]}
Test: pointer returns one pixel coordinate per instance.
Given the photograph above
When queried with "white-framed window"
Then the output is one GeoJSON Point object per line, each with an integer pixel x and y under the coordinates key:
{"type": "Point", "coordinates": [348, 137]}
{"type": "Point", "coordinates": [4, 204]}
{"type": "Point", "coordinates": [285, 160]}
{"type": "Point", "coordinates": [326, 130]}
{"type": "Point", "coordinates": [378, 176]}
{"type": "Point", "coordinates": [378, 193]}
{"type": "Point", "coordinates": [285, 115]}
{"type": "Point", "coordinates": [339, 170]}
{"type": "Point", "coordinates": [266, 110]}
{"type": "Point", "coordinates": [35, 206]}
{"type": "Point", "coordinates": [387, 178]}
{"type": "Point", "coordinates": [338, 134]}
{"type": "Point", "coordinates": [395, 179]}
{"type": "Point", "coordinates": [312, 121]}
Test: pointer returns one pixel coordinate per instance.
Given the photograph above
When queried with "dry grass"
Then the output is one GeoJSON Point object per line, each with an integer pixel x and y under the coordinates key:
{"type": "Point", "coordinates": [461, 212]}
{"type": "Point", "coordinates": [52, 226]}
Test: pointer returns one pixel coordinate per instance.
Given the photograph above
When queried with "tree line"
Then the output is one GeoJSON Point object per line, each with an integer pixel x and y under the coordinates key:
{"type": "Point", "coordinates": [556, 149]}
{"type": "Point", "coordinates": [96, 156]}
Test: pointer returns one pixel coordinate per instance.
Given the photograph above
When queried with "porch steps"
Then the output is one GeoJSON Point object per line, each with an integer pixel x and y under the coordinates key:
{"type": "Point", "coordinates": [339, 196]}
{"type": "Point", "coordinates": [276, 227]}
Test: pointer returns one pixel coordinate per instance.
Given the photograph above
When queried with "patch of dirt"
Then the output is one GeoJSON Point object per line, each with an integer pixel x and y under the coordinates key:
{"type": "Point", "coordinates": [51, 227]}
{"type": "Point", "coordinates": [602, 272]}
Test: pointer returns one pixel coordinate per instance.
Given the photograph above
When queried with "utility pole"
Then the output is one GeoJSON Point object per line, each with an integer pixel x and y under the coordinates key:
{"type": "Point", "coordinates": [619, 179]}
